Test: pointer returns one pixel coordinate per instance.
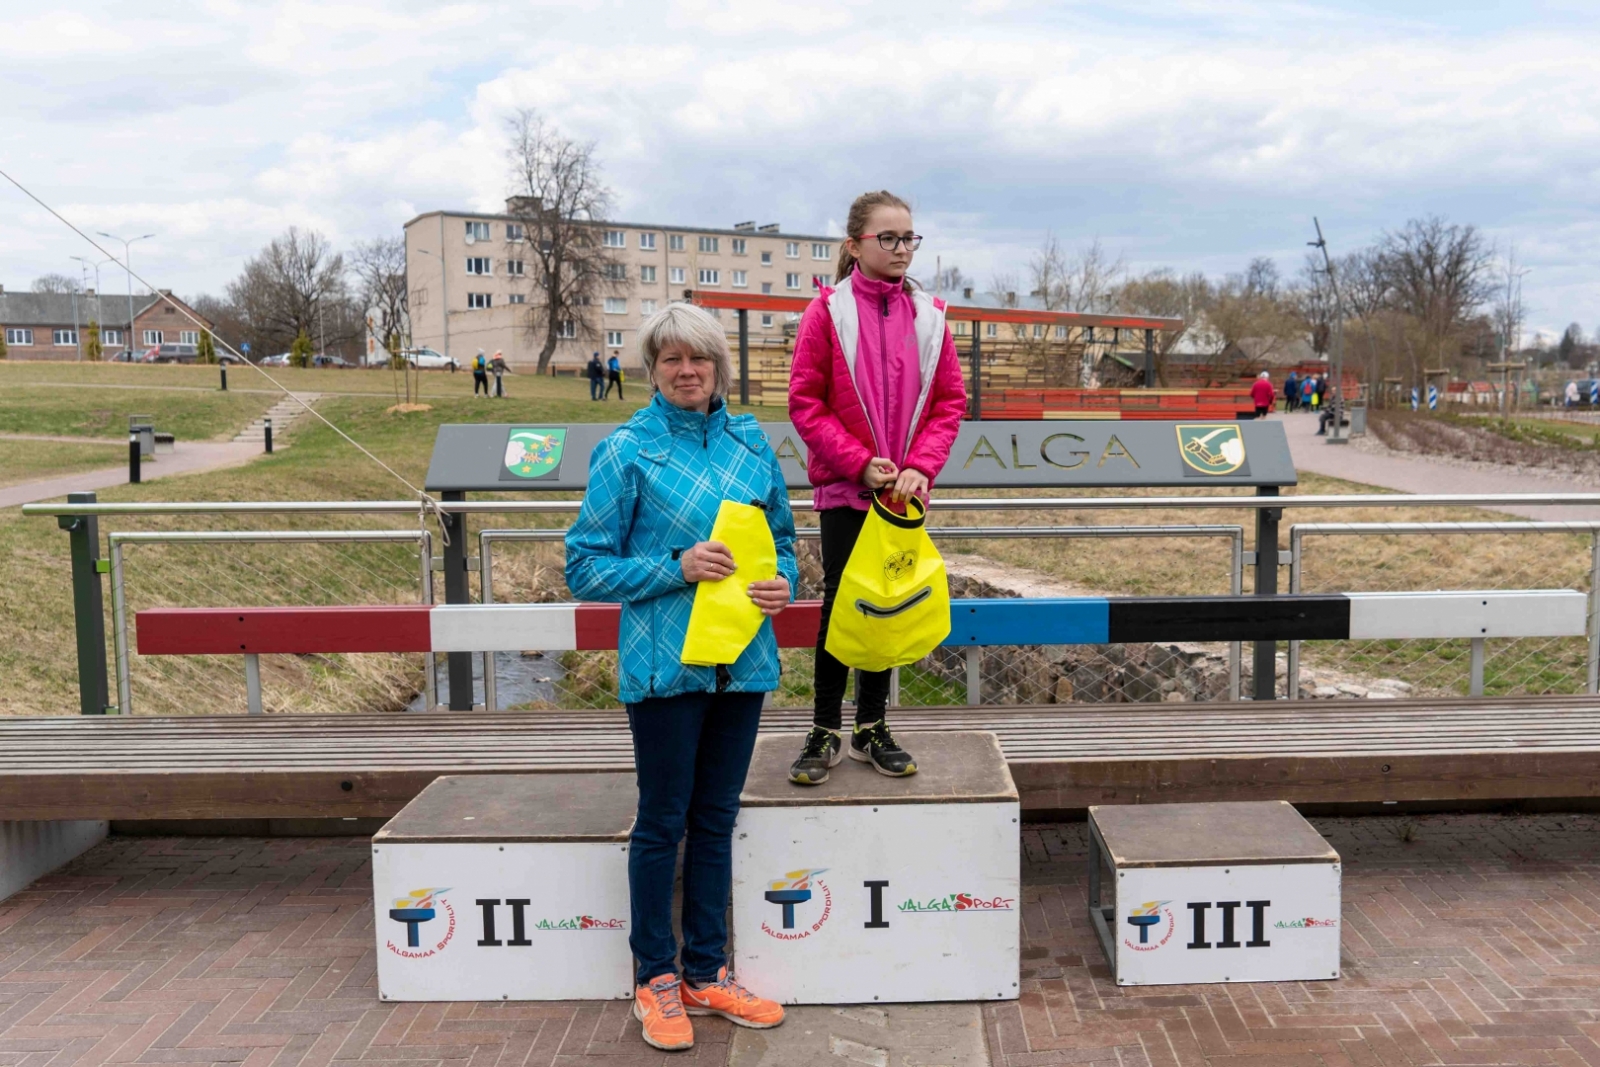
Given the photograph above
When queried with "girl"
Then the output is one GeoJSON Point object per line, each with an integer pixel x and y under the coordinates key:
{"type": "Point", "coordinates": [876, 393]}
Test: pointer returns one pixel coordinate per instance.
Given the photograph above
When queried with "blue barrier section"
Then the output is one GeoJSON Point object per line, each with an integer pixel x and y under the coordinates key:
{"type": "Point", "coordinates": [1012, 621]}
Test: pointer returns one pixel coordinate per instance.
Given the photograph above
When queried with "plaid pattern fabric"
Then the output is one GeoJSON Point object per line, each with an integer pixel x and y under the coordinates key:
{"type": "Point", "coordinates": [654, 486]}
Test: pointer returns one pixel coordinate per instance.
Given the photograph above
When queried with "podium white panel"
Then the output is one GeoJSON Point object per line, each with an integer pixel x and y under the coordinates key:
{"type": "Point", "coordinates": [506, 887]}
{"type": "Point", "coordinates": [877, 889]}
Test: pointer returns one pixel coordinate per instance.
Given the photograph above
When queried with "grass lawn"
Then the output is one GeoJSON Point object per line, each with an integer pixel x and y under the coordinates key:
{"type": "Point", "coordinates": [72, 412]}
{"type": "Point", "coordinates": [22, 461]}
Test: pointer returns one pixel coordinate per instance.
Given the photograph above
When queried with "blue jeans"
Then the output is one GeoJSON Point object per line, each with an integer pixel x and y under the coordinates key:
{"type": "Point", "coordinates": [597, 388]}
{"type": "Point", "coordinates": [692, 752]}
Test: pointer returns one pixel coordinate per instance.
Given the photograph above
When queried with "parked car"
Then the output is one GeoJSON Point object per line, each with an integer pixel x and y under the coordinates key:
{"type": "Point", "coordinates": [171, 353]}
{"type": "Point", "coordinates": [279, 360]}
{"type": "Point", "coordinates": [227, 357]}
{"type": "Point", "coordinates": [126, 356]}
{"type": "Point", "coordinates": [428, 359]}
{"type": "Point", "coordinates": [330, 361]}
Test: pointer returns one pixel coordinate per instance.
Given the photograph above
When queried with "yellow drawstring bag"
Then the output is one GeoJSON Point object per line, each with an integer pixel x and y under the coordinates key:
{"type": "Point", "coordinates": [893, 604]}
{"type": "Point", "coordinates": [724, 619]}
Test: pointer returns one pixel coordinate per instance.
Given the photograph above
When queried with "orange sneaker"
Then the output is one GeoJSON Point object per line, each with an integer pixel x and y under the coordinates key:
{"type": "Point", "coordinates": [660, 1011]}
{"type": "Point", "coordinates": [727, 998]}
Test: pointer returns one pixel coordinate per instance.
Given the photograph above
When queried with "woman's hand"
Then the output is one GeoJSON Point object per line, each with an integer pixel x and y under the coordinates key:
{"type": "Point", "coordinates": [708, 561]}
{"type": "Point", "coordinates": [910, 482]}
{"type": "Point", "coordinates": [879, 473]}
{"type": "Point", "coordinates": [771, 596]}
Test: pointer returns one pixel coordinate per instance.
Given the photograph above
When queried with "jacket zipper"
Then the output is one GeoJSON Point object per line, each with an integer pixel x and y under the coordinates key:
{"type": "Point", "coordinates": [883, 356]}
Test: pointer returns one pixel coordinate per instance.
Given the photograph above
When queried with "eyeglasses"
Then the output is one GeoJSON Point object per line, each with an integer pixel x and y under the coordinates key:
{"type": "Point", "coordinates": [891, 241]}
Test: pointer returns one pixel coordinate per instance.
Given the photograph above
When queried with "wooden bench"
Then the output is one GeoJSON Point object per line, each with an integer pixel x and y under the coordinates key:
{"type": "Point", "coordinates": [1061, 757]}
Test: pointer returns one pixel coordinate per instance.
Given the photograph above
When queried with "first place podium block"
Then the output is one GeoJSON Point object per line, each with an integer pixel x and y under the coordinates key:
{"type": "Point", "coordinates": [506, 887]}
{"type": "Point", "coordinates": [1228, 892]}
{"type": "Point", "coordinates": [869, 888]}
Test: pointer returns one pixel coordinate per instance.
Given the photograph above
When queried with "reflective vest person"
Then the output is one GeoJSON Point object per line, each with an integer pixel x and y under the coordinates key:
{"type": "Point", "coordinates": [656, 484]}
{"type": "Point", "coordinates": [876, 393]}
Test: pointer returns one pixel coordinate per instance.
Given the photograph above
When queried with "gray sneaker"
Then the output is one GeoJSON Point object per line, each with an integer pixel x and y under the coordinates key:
{"type": "Point", "coordinates": [874, 744]}
{"type": "Point", "coordinates": [822, 750]}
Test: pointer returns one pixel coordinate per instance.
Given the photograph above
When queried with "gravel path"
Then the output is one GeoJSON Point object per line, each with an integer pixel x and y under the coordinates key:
{"type": "Point", "coordinates": [188, 458]}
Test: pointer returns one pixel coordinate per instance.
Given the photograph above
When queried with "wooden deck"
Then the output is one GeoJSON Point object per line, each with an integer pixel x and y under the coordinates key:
{"type": "Point", "coordinates": [1060, 757]}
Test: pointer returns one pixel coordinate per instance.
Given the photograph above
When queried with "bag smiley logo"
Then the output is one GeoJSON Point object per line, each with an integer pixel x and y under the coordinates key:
{"type": "Point", "coordinates": [898, 565]}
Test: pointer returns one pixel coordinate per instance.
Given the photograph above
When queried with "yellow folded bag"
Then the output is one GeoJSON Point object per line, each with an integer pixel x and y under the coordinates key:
{"type": "Point", "coordinates": [893, 604]}
{"type": "Point", "coordinates": [724, 619]}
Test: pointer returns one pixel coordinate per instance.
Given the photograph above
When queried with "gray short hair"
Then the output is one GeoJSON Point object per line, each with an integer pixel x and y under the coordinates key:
{"type": "Point", "coordinates": [685, 324]}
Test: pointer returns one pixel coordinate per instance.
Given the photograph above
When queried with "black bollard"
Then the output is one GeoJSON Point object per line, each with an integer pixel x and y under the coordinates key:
{"type": "Point", "coordinates": [268, 429]}
{"type": "Point", "coordinates": [224, 368]}
{"type": "Point", "coordinates": [133, 457]}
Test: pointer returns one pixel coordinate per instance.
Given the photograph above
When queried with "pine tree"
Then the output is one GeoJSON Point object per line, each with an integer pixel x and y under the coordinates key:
{"type": "Point", "coordinates": [207, 348]}
{"type": "Point", "coordinates": [92, 348]}
{"type": "Point", "coordinates": [300, 351]}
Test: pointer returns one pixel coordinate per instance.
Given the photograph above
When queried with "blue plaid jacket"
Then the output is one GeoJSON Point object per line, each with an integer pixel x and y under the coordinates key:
{"type": "Point", "coordinates": [655, 484]}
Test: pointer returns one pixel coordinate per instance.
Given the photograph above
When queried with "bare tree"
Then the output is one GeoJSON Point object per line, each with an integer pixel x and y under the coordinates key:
{"type": "Point", "coordinates": [1003, 287]}
{"type": "Point", "coordinates": [1509, 314]}
{"type": "Point", "coordinates": [54, 283]}
{"type": "Point", "coordinates": [1082, 282]}
{"type": "Point", "coordinates": [1164, 294]}
{"type": "Point", "coordinates": [1439, 274]}
{"type": "Point", "coordinates": [559, 200]}
{"type": "Point", "coordinates": [1365, 287]}
{"type": "Point", "coordinates": [949, 279]}
{"type": "Point", "coordinates": [294, 286]}
{"type": "Point", "coordinates": [1314, 299]}
{"type": "Point", "coordinates": [380, 269]}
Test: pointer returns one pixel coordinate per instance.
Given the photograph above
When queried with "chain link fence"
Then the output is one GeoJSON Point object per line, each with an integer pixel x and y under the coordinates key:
{"type": "Point", "coordinates": [1414, 557]}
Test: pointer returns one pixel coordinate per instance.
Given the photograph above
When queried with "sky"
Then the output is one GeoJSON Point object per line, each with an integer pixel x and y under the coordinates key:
{"type": "Point", "coordinates": [1194, 134]}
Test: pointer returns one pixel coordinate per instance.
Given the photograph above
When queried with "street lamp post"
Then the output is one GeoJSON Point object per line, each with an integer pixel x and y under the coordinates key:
{"type": "Point", "coordinates": [127, 266]}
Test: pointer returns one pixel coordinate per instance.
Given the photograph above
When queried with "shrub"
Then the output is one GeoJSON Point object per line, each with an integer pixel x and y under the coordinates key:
{"type": "Point", "coordinates": [300, 351]}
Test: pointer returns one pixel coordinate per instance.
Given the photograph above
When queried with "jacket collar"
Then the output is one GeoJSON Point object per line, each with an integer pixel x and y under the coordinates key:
{"type": "Point", "coordinates": [679, 422]}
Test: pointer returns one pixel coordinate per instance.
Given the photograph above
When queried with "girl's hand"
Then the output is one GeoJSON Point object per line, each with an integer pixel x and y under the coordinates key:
{"type": "Point", "coordinates": [708, 561]}
{"type": "Point", "coordinates": [911, 482]}
{"type": "Point", "coordinates": [879, 473]}
{"type": "Point", "coordinates": [771, 596]}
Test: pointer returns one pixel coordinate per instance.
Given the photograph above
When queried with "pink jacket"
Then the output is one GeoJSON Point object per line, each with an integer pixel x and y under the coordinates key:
{"type": "Point", "coordinates": [837, 396]}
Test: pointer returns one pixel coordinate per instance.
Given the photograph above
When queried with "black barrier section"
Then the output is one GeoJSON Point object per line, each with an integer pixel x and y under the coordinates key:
{"type": "Point", "coordinates": [1324, 617]}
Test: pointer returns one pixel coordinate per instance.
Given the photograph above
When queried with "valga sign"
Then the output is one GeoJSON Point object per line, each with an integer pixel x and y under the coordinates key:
{"type": "Point", "coordinates": [986, 455]}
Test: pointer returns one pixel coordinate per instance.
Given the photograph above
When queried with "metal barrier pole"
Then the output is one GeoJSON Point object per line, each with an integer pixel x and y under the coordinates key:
{"type": "Point", "coordinates": [119, 631]}
{"type": "Point", "coordinates": [133, 457]}
{"type": "Point", "coordinates": [88, 605]}
{"type": "Point", "coordinates": [744, 356]}
{"type": "Point", "coordinates": [974, 675]}
{"type": "Point", "coordinates": [252, 682]}
{"type": "Point", "coordinates": [491, 694]}
{"type": "Point", "coordinates": [430, 684]}
{"type": "Point", "coordinates": [1292, 675]}
{"type": "Point", "coordinates": [1149, 359]}
{"type": "Point", "coordinates": [457, 591]}
{"type": "Point", "coordinates": [1265, 686]}
{"type": "Point", "coordinates": [1476, 685]}
{"type": "Point", "coordinates": [1236, 587]}
{"type": "Point", "coordinates": [1594, 614]}
{"type": "Point", "coordinates": [224, 368]}
{"type": "Point", "coordinates": [267, 434]}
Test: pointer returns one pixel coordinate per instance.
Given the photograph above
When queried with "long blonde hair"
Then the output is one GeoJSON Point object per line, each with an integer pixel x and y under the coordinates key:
{"type": "Point", "coordinates": [855, 224]}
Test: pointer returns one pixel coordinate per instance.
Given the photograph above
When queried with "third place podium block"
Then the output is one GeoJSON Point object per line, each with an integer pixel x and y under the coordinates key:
{"type": "Point", "coordinates": [874, 888]}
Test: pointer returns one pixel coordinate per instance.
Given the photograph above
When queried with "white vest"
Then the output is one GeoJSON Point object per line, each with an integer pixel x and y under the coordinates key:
{"type": "Point", "coordinates": [929, 321]}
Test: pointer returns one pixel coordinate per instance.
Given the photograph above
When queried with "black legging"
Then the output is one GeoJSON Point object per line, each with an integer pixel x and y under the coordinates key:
{"type": "Point", "coordinates": [840, 528]}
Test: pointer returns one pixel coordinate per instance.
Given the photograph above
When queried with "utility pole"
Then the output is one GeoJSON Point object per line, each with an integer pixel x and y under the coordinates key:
{"type": "Point", "coordinates": [1335, 431]}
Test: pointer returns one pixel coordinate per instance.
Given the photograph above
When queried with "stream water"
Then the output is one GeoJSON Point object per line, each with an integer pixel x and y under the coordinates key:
{"type": "Point", "coordinates": [518, 679]}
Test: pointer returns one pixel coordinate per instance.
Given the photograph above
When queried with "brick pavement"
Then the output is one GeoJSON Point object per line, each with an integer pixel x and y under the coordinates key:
{"type": "Point", "coordinates": [1467, 940]}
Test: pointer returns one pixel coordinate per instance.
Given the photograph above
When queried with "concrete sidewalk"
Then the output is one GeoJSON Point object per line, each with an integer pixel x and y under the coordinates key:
{"type": "Point", "coordinates": [1409, 474]}
{"type": "Point", "coordinates": [189, 457]}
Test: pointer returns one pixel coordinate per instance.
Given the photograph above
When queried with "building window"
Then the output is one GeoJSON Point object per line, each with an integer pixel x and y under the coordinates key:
{"type": "Point", "coordinates": [647, 307]}
{"type": "Point", "coordinates": [791, 250]}
{"type": "Point", "coordinates": [1061, 333]}
{"type": "Point", "coordinates": [674, 275]}
{"type": "Point", "coordinates": [991, 330]}
{"type": "Point", "coordinates": [16, 336]}
{"type": "Point", "coordinates": [740, 246]}
{"type": "Point", "coordinates": [514, 231]}
{"type": "Point", "coordinates": [616, 239]}
{"type": "Point", "coordinates": [189, 337]}
{"type": "Point", "coordinates": [111, 337]}
{"type": "Point", "coordinates": [766, 259]}
{"type": "Point", "coordinates": [477, 231]}
{"type": "Point", "coordinates": [710, 277]}
{"type": "Point", "coordinates": [478, 265]}
{"type": "Point", "coordinates": [647, 275]}
{"type": "Point", "coordinates": [66, 338]}
{"type": "Point", "coordinates": [791, 281]}
{"type": "Point", "coordinates": [1038, 331]}
{"type": "Point", "coordinates": [515, 267]}
{"type": "Point", "coordinates": [517, 298]}
{"type": "Point", "coordinates": [477, 301]}
{"type": "Point", "coordinates": [819, 251]}
{"type": "Point", "coordinates": [766, 287]}
{"type": "Point", "coordinates": [616, 272]}
{"type": "Point", "coordinates": [613, 338]}
{"type": "Point", "coordinates": [766, 322]}
{"type": "Point", "coordinates": [960, 329]}
{"type": "Point", "coordinates": [821, 279]}
{"type": "Point", "coordinates": [740, 279]}
{"type": "Point", "coordinates": [708, 244]}
{"type": "Point", "coordinates": [675, 242]}
{"type": "Point", "coordinates": [647, 242]}
{"type": "Point", "coordinates": [616, 305]}
{"type": "Point", "coordinates": [151, 337]}
{"type": "Point", "coordinates": [568, 330]}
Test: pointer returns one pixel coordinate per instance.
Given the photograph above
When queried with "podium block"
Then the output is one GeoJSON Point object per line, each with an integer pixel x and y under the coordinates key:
{"type": "Point", "coordinates": [1228, 892]}
{"type": "Point", "coordinates": [506, 887]}
{"type": "Point", "coordinates": [875, 888]}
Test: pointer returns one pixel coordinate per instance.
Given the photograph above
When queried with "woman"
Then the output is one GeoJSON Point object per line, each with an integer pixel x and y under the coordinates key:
{"type": "Point", "coordinates": [655, 485]}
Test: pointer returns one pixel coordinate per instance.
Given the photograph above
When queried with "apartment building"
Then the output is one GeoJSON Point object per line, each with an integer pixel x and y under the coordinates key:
{"type": "Point", "coordinates": [472, 282]}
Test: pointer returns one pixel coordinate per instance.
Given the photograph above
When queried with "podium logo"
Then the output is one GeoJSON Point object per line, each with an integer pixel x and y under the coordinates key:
{"type": "Point", "coordinates": [414, 910]}
{"type": "Point", "coordinates": [970, 903]}
{"type": "Point", "coordinates": [793, 893]}
{"type": "Point", "coordinates": [1155, 924]}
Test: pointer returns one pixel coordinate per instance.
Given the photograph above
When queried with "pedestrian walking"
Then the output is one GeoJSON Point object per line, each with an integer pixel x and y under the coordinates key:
{"type": "Point", "coordinates": [614, 376]}
{"type": "Point", "coordinates": [498, 366]}
{"type": "Point", "coordinates": [641, 538]}
{"type": "Point", "coordinates": [597, 378]}
{"type": "Point", "coordinates": [1308, 388]}
{"type": "Point", "coordinates": [1291, 391]}
{"type": "Point", "coordinates": [480, 374]}
{"type": "Point", "coordinates": [1263, 394]}
{"type": "Point", "coordinates": [876, 393]}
